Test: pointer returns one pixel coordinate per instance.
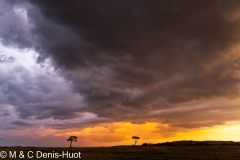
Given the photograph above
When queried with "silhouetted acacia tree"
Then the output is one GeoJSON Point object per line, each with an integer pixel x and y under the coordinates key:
{"type": "Point", "coordinates": [136, 139]}
{"type": "Point", "coordinates": [72, 138]}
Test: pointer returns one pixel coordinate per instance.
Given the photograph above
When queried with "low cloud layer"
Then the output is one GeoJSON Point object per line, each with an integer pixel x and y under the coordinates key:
{"type": "Point", "coordinates": [113, 61]}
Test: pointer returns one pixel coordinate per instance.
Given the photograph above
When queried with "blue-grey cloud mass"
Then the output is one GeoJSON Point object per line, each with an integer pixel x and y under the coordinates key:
{"type": "Point", "coordinates": [88, 62]}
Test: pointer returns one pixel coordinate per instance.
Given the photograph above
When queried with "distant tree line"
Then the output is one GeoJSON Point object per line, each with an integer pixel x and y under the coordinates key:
{"type": "Point", "coordinates": [195, 143]}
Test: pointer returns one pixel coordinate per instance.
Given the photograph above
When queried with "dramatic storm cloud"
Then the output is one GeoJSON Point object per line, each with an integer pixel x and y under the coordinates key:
{"type": "Point", "coordinates": [69, 64]}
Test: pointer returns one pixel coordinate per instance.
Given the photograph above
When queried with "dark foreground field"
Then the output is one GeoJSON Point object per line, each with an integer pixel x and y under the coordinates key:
{"type": "Point", "coordinates": [139, 152]}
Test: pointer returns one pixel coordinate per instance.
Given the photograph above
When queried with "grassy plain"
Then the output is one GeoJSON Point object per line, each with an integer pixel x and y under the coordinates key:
{"type": "Point", "coordinates": [140, 152]}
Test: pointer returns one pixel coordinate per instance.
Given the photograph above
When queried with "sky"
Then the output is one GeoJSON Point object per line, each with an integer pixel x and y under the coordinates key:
{"type": "Point", "coordinates": [107, 70]}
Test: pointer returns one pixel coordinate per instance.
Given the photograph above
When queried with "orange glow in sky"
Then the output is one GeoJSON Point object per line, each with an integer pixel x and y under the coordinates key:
{"type": "Point", "coordinates": [121, 133]}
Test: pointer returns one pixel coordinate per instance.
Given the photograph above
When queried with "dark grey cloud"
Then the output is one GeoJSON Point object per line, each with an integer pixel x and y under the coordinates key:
{"type": "Point", "coordinates": [46, 141]}
{"type": "Point", "coordinates": [128, 59]}
{"type": "Point", "coordinates": [21, 123]}
{"type": "Point", "coordinates": [4, 59]}
{"type": "Point", "coordinates": [6, 114]}
{"type": "Point", "coordinates": [38, 95]}
{"type": "Point", "coordinates": [14, 29]}
{"type": "Point", "coordinates": [100, 93]}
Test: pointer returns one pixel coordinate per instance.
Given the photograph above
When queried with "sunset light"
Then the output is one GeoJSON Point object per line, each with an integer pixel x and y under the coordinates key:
{"type": "Point", "coordinates": [106, 73]}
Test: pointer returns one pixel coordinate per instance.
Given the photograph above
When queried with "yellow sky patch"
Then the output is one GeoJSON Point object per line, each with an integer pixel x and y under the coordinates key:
{"type": "Point", "coordinates": [121, 133]}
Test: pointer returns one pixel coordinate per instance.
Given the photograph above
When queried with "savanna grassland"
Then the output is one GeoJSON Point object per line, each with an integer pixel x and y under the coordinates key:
{"type": "Point", "coordinates": [141, 152]}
